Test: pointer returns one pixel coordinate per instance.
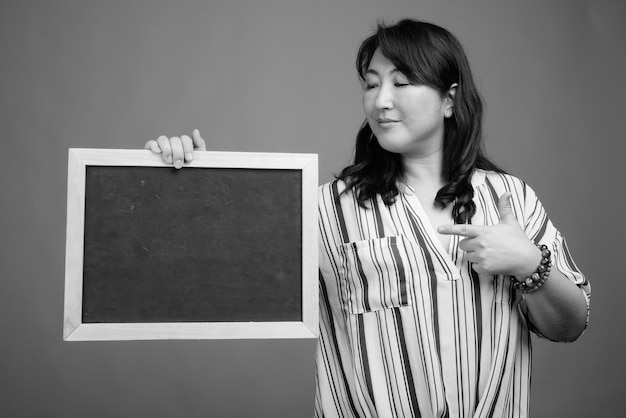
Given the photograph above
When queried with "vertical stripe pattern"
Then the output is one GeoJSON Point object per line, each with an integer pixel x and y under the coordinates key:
{"type": "Point", "coordinates": [408, 329]}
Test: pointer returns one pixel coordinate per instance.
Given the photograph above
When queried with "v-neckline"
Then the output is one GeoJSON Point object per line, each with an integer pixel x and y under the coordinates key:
{"type": "Point", "coordinates": [452, 254]}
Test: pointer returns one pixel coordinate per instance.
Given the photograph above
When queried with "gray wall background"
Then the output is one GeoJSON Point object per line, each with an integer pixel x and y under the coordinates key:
{"type": "Point", "coordinates": [278, 75]}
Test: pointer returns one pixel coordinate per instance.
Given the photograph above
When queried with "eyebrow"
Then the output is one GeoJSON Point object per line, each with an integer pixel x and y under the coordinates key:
{"type": "Point", "coordinates": [370, 71]}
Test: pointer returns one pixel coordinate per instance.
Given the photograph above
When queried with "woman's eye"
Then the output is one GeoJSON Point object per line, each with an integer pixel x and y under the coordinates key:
{"type": "Point", "coordinates": [401, 84]}
{"type": "Point", "coordinates": [369, 86]}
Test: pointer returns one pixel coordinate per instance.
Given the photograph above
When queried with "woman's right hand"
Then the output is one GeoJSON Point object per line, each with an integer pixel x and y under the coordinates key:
{"type": "Point", "coordinates": [177, 150]}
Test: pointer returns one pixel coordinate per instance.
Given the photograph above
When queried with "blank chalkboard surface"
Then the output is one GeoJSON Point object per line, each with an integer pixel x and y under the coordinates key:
{"type": "Point", "coordinates": [192, 245]}
{"type": "Point", "coordinates": [219, 249]}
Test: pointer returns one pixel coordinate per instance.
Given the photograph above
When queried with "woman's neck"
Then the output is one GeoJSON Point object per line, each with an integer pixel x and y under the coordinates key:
{"type": "Point", "coordinates": [424, 175]}
{"type": "Point", "coordinates": [424, 171]}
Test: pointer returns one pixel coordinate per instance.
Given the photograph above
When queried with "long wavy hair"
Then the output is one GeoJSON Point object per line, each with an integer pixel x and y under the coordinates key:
{"type": "Point", "coordinates": [427, 55]}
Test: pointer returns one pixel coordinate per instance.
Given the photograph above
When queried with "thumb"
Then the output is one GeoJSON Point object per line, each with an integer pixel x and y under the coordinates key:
{"type": "Point", "coordinates": [504, 207]}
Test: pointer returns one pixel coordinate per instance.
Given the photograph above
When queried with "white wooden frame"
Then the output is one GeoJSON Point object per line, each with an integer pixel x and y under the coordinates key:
{"type": "Point", "coordinates": [75, 330]}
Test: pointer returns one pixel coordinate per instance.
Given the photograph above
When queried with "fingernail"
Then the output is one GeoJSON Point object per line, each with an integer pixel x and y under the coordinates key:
{"type": "Point", "coordinates": [189, 157]}
{"type": "Point", "coordinates": [178, 164]}
{"type": "Point", "coordinates": [168, 158]}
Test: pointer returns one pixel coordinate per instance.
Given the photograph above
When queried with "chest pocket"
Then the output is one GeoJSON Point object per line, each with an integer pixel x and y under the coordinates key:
{"type": "Point", "coordinates": [376, 274]}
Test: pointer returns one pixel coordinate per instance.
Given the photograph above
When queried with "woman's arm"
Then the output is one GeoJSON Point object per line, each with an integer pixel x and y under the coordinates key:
{"type": "Point", "coordinates": [558, 309]}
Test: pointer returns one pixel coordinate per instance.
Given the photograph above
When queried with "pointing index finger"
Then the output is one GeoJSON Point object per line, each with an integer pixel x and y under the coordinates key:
{"type": "Point", "coordinates": [464, 230]}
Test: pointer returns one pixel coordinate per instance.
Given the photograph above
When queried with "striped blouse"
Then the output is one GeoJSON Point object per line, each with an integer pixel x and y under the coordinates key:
{"type": "Point", "coordinates": [407, 328]}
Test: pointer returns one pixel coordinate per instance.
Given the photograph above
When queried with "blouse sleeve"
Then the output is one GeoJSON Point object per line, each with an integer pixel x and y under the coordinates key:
{"type": "Point", "coordinates": [332, 388]}
{"type": "Point", "coordinates": [541, 230]}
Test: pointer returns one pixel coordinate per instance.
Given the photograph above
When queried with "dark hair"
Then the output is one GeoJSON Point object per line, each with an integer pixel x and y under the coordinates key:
{"type": "Point", "coordinates": [430, 55]}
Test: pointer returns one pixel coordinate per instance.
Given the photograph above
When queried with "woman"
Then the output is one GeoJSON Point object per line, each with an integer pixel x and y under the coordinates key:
{"type": "Point", "coordinates": [431, 266]}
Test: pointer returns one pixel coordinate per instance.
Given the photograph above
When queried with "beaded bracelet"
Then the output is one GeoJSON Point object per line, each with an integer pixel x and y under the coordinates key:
{"type": "Point", "coordinates": [539, 277]}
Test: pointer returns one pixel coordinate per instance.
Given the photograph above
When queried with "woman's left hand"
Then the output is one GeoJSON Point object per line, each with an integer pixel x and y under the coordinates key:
{"type": "Point", "coordinates": [503, 248]}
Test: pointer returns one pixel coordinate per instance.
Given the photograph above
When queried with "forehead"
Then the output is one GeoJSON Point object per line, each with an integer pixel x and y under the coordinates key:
{"type": "Point", "coordinates": [381, 65]}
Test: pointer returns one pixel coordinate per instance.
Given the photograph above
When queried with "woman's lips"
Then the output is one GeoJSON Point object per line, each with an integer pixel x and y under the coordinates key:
{"type": "Point", "coordinates": [386, 122]}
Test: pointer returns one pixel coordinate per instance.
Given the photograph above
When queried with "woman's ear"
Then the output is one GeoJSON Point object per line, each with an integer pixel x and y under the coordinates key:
{"type": "Point", "coordinates": [448, 101]}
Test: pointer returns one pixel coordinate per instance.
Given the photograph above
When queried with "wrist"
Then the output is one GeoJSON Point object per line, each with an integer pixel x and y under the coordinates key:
{"type": "Point", "coordinates": [535, 280]}
{"type": "Point", "coordinates": [529, 262]}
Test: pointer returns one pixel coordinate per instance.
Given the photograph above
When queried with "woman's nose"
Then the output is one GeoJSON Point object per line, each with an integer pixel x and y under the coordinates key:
{"type": "Point", "coordinates": [384, 98]}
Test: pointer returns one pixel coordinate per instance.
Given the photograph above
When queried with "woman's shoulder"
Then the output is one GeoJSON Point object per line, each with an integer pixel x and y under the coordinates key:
{"type": "Point", "coordinates": [333, 199]}
{"type": "Point", "coordinates": [333, 192]}
{"type": "Point", "coordinates": [334, 187]}
{"type": "Point", "coordinates": [496, 179]}
{"type": "Point", "coordinates": [495, 183]}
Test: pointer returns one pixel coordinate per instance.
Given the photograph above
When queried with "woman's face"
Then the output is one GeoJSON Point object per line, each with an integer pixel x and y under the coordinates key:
{"type": "Point", "coordinates": [407, 119]}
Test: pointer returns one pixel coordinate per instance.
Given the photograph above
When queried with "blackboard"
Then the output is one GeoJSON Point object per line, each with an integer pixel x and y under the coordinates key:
{"type": "Point", "coordinates": [219, 249]}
